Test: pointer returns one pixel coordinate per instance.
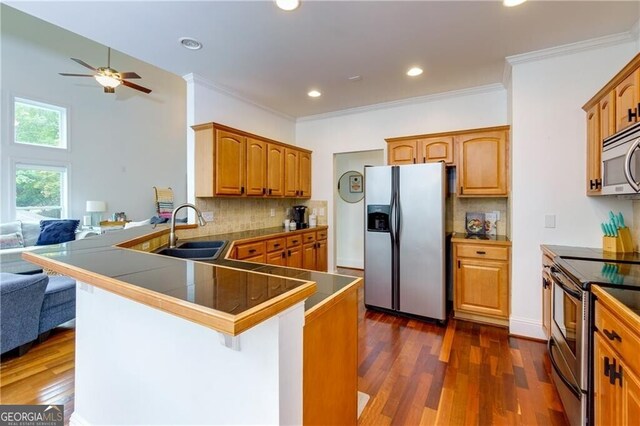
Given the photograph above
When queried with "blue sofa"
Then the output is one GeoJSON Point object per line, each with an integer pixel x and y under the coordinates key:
{"type": "Point", "coordinates": [31, 305]}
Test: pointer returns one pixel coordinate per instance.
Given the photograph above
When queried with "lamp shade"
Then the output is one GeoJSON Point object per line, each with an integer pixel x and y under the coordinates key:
{"type": "Point", "coordinates": [96, 206]}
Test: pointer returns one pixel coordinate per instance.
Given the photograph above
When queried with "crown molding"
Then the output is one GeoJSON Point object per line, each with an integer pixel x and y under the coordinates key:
{"type": "Point", "coordinates": [201, 81]}
{"type": "Point", "coordinates": [566, 49]}
{"type": "Point", "coordinates": [489, 88]}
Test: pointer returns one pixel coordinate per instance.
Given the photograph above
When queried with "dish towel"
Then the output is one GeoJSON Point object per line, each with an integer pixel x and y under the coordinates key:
{"type": "Point", "coordinates": [164, 201]}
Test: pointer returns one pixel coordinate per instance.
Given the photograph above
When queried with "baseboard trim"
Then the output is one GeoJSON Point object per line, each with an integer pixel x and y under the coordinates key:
{"type": "Point", "coordinates": [77, 420]}
{"type": "Point", "coordinates": [525, 327]}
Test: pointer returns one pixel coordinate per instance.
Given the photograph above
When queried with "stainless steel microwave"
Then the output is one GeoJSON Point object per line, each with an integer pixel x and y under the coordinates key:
{"type": "Point", "coordinates": [621, 162]}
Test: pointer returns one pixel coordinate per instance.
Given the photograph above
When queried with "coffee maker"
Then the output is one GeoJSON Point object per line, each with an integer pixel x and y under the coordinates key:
{"type": "Point", "coordinates": [299, 214]}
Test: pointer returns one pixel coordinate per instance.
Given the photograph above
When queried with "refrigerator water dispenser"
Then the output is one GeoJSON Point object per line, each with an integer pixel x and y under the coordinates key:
{"type": "Point", "coordinates": [378, 218]}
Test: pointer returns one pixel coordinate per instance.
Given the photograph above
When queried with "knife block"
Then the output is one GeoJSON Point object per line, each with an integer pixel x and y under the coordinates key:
{"type": "Point", "coordinates": [620, 244]}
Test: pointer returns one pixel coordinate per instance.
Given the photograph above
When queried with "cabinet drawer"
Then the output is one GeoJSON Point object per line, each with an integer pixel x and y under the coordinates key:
{"type": "Point", "coordinates": [322, 235]}
{"type": "Point", "coordinates": [619, 336]}
{"type": "Point", "coordinates": [294, 240]}
{"type": "Point", "coordinates": [275, 244]}
{"type": "Point", "coordinates": [483, 252]}
{"type": "Point", "coordinates": [250, 250]}
{"type": "Point", "coordinates": [309, 237]}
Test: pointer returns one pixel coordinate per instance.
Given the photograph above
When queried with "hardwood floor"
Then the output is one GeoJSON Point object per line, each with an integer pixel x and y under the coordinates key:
{"type": "Point", "coordinates": [415, 373]}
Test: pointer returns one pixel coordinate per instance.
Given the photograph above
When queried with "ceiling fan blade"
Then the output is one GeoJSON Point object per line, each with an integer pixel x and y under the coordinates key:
{"type": "Point", "coordinates": [135, 86]}
{"type": "Point", "coordinates": [84, 64]}
{"type": "Point", "coordinates": [75, 75]}
{"type": "Point", "coordinates": [129, 75]}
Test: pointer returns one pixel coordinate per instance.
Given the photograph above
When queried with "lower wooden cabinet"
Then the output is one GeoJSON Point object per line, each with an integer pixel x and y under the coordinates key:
{"type": "Point", "coordinates": [616, 366]}
{"type": "Point", "coordinates": [481, 282]}
{"type": "Point", "coordinates": [305, 250]}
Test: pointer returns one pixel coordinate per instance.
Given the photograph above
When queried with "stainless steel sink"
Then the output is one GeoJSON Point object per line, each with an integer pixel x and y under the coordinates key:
{"type": "Point", "coordinates": [195, 250]}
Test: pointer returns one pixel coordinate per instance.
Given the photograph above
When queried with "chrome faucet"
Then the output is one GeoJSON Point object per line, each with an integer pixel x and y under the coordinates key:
{"type": "Point", "coordinates": [172, 234]}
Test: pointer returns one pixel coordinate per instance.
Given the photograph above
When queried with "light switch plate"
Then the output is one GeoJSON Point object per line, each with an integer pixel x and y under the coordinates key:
{"type": "Point", "coordinates": [208, 216]}
{"type": "Point", "coordinates": [321, 211]}
{"type": "Point", "coordinates": [550, 221]}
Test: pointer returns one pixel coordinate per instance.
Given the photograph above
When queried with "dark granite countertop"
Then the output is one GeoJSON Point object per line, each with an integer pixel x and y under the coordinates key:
{"type": "Point", "coordinates": [459, 237]}
{"type": "Point", "coordinates": [229, 286]}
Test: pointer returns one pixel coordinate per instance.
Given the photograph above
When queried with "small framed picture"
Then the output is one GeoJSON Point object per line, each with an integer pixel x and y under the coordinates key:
{"type": "Point", "coordinates": [355, 183]}
{"type": "Point", "coordinates": [474, 223]}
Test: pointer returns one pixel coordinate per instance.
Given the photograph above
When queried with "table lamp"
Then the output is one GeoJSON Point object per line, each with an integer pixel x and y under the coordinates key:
{"type": "Point", "coordinates": [96, 208]}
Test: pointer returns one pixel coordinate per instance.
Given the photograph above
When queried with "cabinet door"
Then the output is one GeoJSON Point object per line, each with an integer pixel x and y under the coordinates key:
{"type": "Point", "coordinates": [482, 287]}
{"type": "Point", "coordinates": [275, 170]}
{"type": "Point", "coordinates": [402, 152]}
{"type": "Point", "coordinates": [321, 256]}
{"type": "Point", "coordinates": [432, 150]}
{"type": "Point", "coordinates": [606, 396]}
{"type": "Point", "coordinates": [305, 174]}
{"type": "Point", "coordinates": [291, 172]}
{"type": "Point", "coordinates": [627, 98]}
{"type": "Point", "coordinates": [594, 150]}
{"type": "Point", "coordinates": [294, 257]}
{"type": "Point", "coordinates": [309, 256]}
{"type": "Point", "coordinates": [608, 115]}
{"type": "Point", "coordinates": [482, 164]}
{"type": "Point", "coordinates": [630, 397]}
{"type": "Point", "coordinates": [229, 160]}
{"type": "Point", "coordinates": [256, 167]}
{"type": "Point", "coordinates": [277, 258]}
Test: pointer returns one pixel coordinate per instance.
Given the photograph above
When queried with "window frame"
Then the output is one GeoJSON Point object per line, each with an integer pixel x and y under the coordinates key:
{"type": "Point", "coordinates": [27, 163]}
{"type": "Point", "coordinates": [64, 122]}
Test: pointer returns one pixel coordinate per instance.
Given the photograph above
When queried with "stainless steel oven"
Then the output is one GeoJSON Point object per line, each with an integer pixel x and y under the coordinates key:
{"type": "Point", "coordinates": [569, 344]}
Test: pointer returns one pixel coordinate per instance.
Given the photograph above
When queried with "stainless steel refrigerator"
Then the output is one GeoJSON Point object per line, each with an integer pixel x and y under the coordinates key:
{"type": "Point", "coordinates": [404, 260]}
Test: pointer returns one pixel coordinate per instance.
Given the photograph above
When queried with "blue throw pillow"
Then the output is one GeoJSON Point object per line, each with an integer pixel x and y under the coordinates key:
{"type": "Point", "coordinates": [57, 231]}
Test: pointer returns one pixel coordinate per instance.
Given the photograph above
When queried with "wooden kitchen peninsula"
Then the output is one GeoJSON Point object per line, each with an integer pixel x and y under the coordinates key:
{"type": "Point", "coordinates": [131, 329]}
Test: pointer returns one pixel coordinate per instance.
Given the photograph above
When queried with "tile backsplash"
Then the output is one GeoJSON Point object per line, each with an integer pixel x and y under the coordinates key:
{"type": "Point", "coordinates": [458, 207]}
{"type": "Point", "coordinates": [243, 214]}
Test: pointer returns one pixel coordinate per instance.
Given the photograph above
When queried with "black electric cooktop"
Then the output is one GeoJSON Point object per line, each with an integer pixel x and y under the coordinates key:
{"type": "Point", "coordinates": [603, 273]}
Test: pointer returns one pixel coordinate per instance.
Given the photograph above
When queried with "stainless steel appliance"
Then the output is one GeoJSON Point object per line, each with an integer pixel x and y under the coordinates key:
{"type": "Point", "coordinates": [404, 239]}
{"type": "Point", "coordinates": [620, 167]}
{"type": "Point", "coordinates": [569, 343]}
{"type": "Point", "coordinates": [300, 216]}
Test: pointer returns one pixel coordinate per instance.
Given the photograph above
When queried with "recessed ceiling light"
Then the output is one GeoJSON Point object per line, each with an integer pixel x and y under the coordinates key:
{"type": "Point", "coordinates": [511, 3]}
{"type": "Point", "coordinates": [288, 5]}
{"type": "Point", "coordinates": [355, 78]}
{"type": "Point", "coordinates": [415, 71]}
{"type": "Point", "coordinates": [190, 43]}
{"type": "Point", "coordinates": [314, 93]}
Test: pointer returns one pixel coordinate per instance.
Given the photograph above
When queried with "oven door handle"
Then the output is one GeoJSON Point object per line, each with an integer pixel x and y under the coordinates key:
{"type": "Point", "coordinates": [571, 292]}
{"type": "Point", "coordinates": [572, 387]}
{"type": "Point", "coordinates": [627, 166]}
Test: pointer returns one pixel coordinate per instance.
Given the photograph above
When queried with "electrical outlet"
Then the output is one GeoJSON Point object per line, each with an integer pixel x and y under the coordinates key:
{"type": "Point", "coordinates": [321, 211]}
{"type": "Point", "coordinates": [315, 212]}
{"type": "Point", "coordinates": [273, 212]}
{"type": "Point", "coordinates": [208, 216]}
{"type": "Point", "coordinates": [146, 245]}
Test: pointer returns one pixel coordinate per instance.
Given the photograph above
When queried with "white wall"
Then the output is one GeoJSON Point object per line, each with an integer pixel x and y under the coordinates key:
{"type": "Point", "coordinates": [121, 144]}
{"type": "Point", "coordinates": [350, 216]}
{"type": "Point", "coordinates": [367, 130]}
{"type": "Point", "coordinates": [548, 167]}
{"type": "Point", "coordinates": [208, 103]}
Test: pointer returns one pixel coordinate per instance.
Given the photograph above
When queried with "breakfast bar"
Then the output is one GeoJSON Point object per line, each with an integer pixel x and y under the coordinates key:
{"type": "Point", "coordinates": [212, 342]}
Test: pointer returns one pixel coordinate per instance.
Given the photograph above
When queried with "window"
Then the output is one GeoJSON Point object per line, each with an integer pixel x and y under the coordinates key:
{"type": "Point", "coordinates": [40, 124]}
{"type": "Point", "coordinates": [41, 192]}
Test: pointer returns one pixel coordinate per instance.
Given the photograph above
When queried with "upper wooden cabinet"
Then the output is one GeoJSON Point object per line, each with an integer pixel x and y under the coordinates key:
{"type": "Point", "coordinates": [627, 98]}
{"type": "Point", "coordinates": [482, 164]}
{"type": "Point", "coordinates": [420, 150]}
{"type": "Point", "coordinates": [231, 162]}
{"type": "Point", "coordinates": [615, 107]}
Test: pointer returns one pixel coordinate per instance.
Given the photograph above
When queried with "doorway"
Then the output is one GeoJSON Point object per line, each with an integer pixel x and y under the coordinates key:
{"type": "Point", "coordinates": [349, 215]}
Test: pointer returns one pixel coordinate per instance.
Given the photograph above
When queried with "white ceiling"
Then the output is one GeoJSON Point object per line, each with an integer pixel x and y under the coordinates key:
{"type": "Point", "coordinates": [274, 58]}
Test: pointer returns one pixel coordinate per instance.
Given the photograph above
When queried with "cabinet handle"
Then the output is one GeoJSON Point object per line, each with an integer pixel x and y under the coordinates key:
{"type": "Point", "coordinates": [242, 189]}
{"type": "Point", "coordinates": [414, 160]}
{"type": "Point", "coordinates": [289, 254]}
{"type": "Point", "coordinates": [458, 264]}
{"type": "Point", "coordinates": [276, 245]}
{"type": "Point", "coordinates": [270, 191]}
{"type": "Point", "coordinates": [598, 183]}
{"type": "Point", "coordinates": [607, 366]}
{"type": "Point", "coordinates": [461, 190]}
{"type": "Point", "coordinates": [481, 252]}
{"type": "Point", "coordinates": [545, 283]}
{"type": "Point", "coordinates": [295, 241]}
{"type": "Point", "coordinates": [593, 184]}
{"type": "Point", "coordinates": [612, 335]}
{"type": "Point", "coordinates": [424, 159]}
{"type": "Point", "coordinates": [633, 114]}
{"type": "Point", "coordinates": [252, 251]}
{"type": "Point", "coordinates": [283, 254]}
{"type": "Point", "coordinates": [264, 191]}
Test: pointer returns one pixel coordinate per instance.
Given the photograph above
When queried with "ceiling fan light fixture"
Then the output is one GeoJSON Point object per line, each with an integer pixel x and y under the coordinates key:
{"type": "Point", "coordinates": [512, 3]}
{"type": "Point", "coordinates": [288, 5]}
{"type": "Point", "coordinates": [190, 43]}
{"type": "Point", "coordinates": [108, 81]}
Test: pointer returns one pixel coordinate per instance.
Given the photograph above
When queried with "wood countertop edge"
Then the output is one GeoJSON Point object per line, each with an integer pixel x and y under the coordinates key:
{"type": "Point", "coordinates": [326, 304]}
{"type": "Point", "coordinates": [619, 310]}
{"type": "Point", "coordinates": [211, 318]}
{"type": "Point", "coordinates": [282, 234]}
{"type": "Point", "coordinates": [456, 239]}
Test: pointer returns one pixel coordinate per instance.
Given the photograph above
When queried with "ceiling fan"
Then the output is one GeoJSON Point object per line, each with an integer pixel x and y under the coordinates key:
{"type": "Point", "coordinates": [107, 77]}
